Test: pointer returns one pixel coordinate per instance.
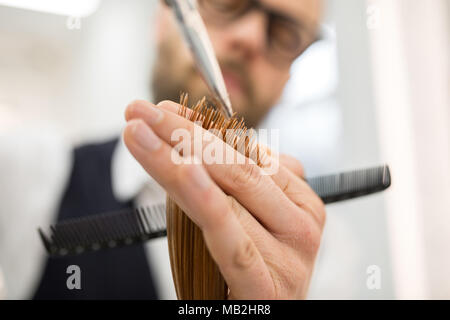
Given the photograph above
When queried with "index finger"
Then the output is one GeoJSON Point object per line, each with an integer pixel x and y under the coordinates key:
{"type": "Point", "coordinates": [236, 255]}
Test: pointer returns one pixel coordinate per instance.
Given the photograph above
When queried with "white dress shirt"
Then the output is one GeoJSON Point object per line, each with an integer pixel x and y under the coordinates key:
{"type": "Point", "coordinates": [34, 171]}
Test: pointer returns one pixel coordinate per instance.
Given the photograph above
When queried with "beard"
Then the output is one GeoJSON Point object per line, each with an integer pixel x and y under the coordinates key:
{"type": "Point", "coordinates": [171, 78]}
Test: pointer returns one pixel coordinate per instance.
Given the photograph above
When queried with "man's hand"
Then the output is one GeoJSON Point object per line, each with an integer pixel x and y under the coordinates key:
{"type": "Point", "coordinates": [263, 231]}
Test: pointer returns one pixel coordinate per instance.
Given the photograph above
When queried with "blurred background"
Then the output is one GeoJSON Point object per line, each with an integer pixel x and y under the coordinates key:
{"type": "Point", "coordinates": [375, 90]}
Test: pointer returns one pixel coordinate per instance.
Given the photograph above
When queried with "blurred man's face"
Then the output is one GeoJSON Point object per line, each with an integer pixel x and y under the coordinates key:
{"type": "Point", "coordinates": [255, 51]}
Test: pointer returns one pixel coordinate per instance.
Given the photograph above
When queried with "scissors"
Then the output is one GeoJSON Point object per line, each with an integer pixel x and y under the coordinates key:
{"type": "Point", "coordinates": [196, 36]}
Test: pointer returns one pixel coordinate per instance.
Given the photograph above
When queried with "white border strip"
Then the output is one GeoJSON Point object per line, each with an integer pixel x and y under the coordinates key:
{"type": "Point", "coordinates": [395, 130]}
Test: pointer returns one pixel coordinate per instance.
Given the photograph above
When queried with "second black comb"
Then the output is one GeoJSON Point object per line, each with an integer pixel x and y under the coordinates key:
{"type": "Point", "coordinates": [105, 230]}
{"type": "Point", "coordinates": [109, 230]}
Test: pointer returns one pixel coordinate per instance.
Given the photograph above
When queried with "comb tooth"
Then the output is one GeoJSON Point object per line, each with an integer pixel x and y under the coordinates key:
{"type": "Point", "coordinates": [150, 225]}
{"type": "Point", "coordinates": [80, 229]}
{"type": "Point", "coordinates": [144, 222]}
{"type": "Point", "coordinates": [156, 217]}
{"type": "Point", "coordinates": [150, 221]}
{"type": "Point", "coordinates": [153, 219]}
{"type": "Point", "coordinates": [134, 225]}
{"type": "Point", "coordinates": [71, 235]}
{"type": "Point", "coordinates": [128, 227]}
{"type": "Point", "coordinates": [116, 231]}
{"type": "Point", "coordinates": [99, 226]}
{"type": "Point", "coordinates": [154, 214]}
{"type": "Point", "coordinates": [154, 223]}
{"type": "Point", "coordinates": [46, 241]}
{"type": "Point", "coordinates": [142, 230]}
{"type": "Point", "coordinates": [102, 232]}
{"type": "Point", "coordinates": [124, 226]}
{"type": "Point", "coordinates": [56, 239]}
{"type": "Point", "coordinates": [89, 231]}
{"type": "Point", "coordinates": [120, 228]}
{"type": "Point", "coordinates": [84, 231]}
{"type": "Point", "coordinates": [386, 177]}
{"type": "Point", "coordinates": [162, 216]}
{"type": "Point", "coordinates": [109, 229]}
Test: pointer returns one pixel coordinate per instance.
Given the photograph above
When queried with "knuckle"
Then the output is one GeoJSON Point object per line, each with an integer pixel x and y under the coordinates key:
{"type": "Point", "coordinates": [244, 176]}
{"type": "Point", "coordinates": [321, 213]}
{"type": "Point", "coordinates": [314, 208]}
{"type": "Point", "coordinates": [220, 219]}
{"type": "Point", "coordinates": [235, 206]}
{"type": "Point", "coordinates": [304, 236]}
{"type": "Point", "coordinates": [311, 235]}
{"type": "Point", "coordinates": [293, 164]}
{"type": "Point", "coordinates": [317, 208]}
{"type": "Point", "coordinates": [246, 255]}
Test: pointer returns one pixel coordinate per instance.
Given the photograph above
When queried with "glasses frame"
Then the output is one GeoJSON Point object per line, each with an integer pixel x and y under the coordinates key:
{"type": "Point", "coordinates": [271, 14]}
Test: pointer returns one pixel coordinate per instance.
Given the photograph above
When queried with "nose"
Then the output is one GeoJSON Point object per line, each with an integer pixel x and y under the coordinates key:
{"type": "Point", "coordinates": [247, 36]}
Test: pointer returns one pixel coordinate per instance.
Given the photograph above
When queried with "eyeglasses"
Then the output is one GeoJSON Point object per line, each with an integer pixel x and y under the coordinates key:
{"type": "Point", "coordinates": [287, 38]}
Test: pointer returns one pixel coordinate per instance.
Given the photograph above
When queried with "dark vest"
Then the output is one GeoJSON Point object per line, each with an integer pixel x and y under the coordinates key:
{"type": "Point", "coordinates": [121, 273]}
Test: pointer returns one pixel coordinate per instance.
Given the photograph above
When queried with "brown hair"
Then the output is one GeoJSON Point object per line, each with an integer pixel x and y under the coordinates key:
{"type": "Point", "coordinates": [195, 274]}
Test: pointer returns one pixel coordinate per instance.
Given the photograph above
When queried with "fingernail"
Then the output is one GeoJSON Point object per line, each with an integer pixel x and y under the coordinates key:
{"type": "Point", "coordinates": [155, 115]}
{"type": "Point", "coordinates": [145, 137]}
{"type": "Point", "coordinates": [152, 115]}
{"type": "Point", "coordinates": [198, 175]}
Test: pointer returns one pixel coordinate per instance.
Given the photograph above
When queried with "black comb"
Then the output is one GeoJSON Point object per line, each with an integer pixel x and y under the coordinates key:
{"type": "Point", "coordinates": [353, 184]}
{"type": "Point", "coordinates": [105, 230]}
{"type": "Point", "coordinates": [113, 229]}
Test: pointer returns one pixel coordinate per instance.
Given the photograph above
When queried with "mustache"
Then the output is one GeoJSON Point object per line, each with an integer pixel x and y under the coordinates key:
{"type": "Point", "coordinates": [239, 69]}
